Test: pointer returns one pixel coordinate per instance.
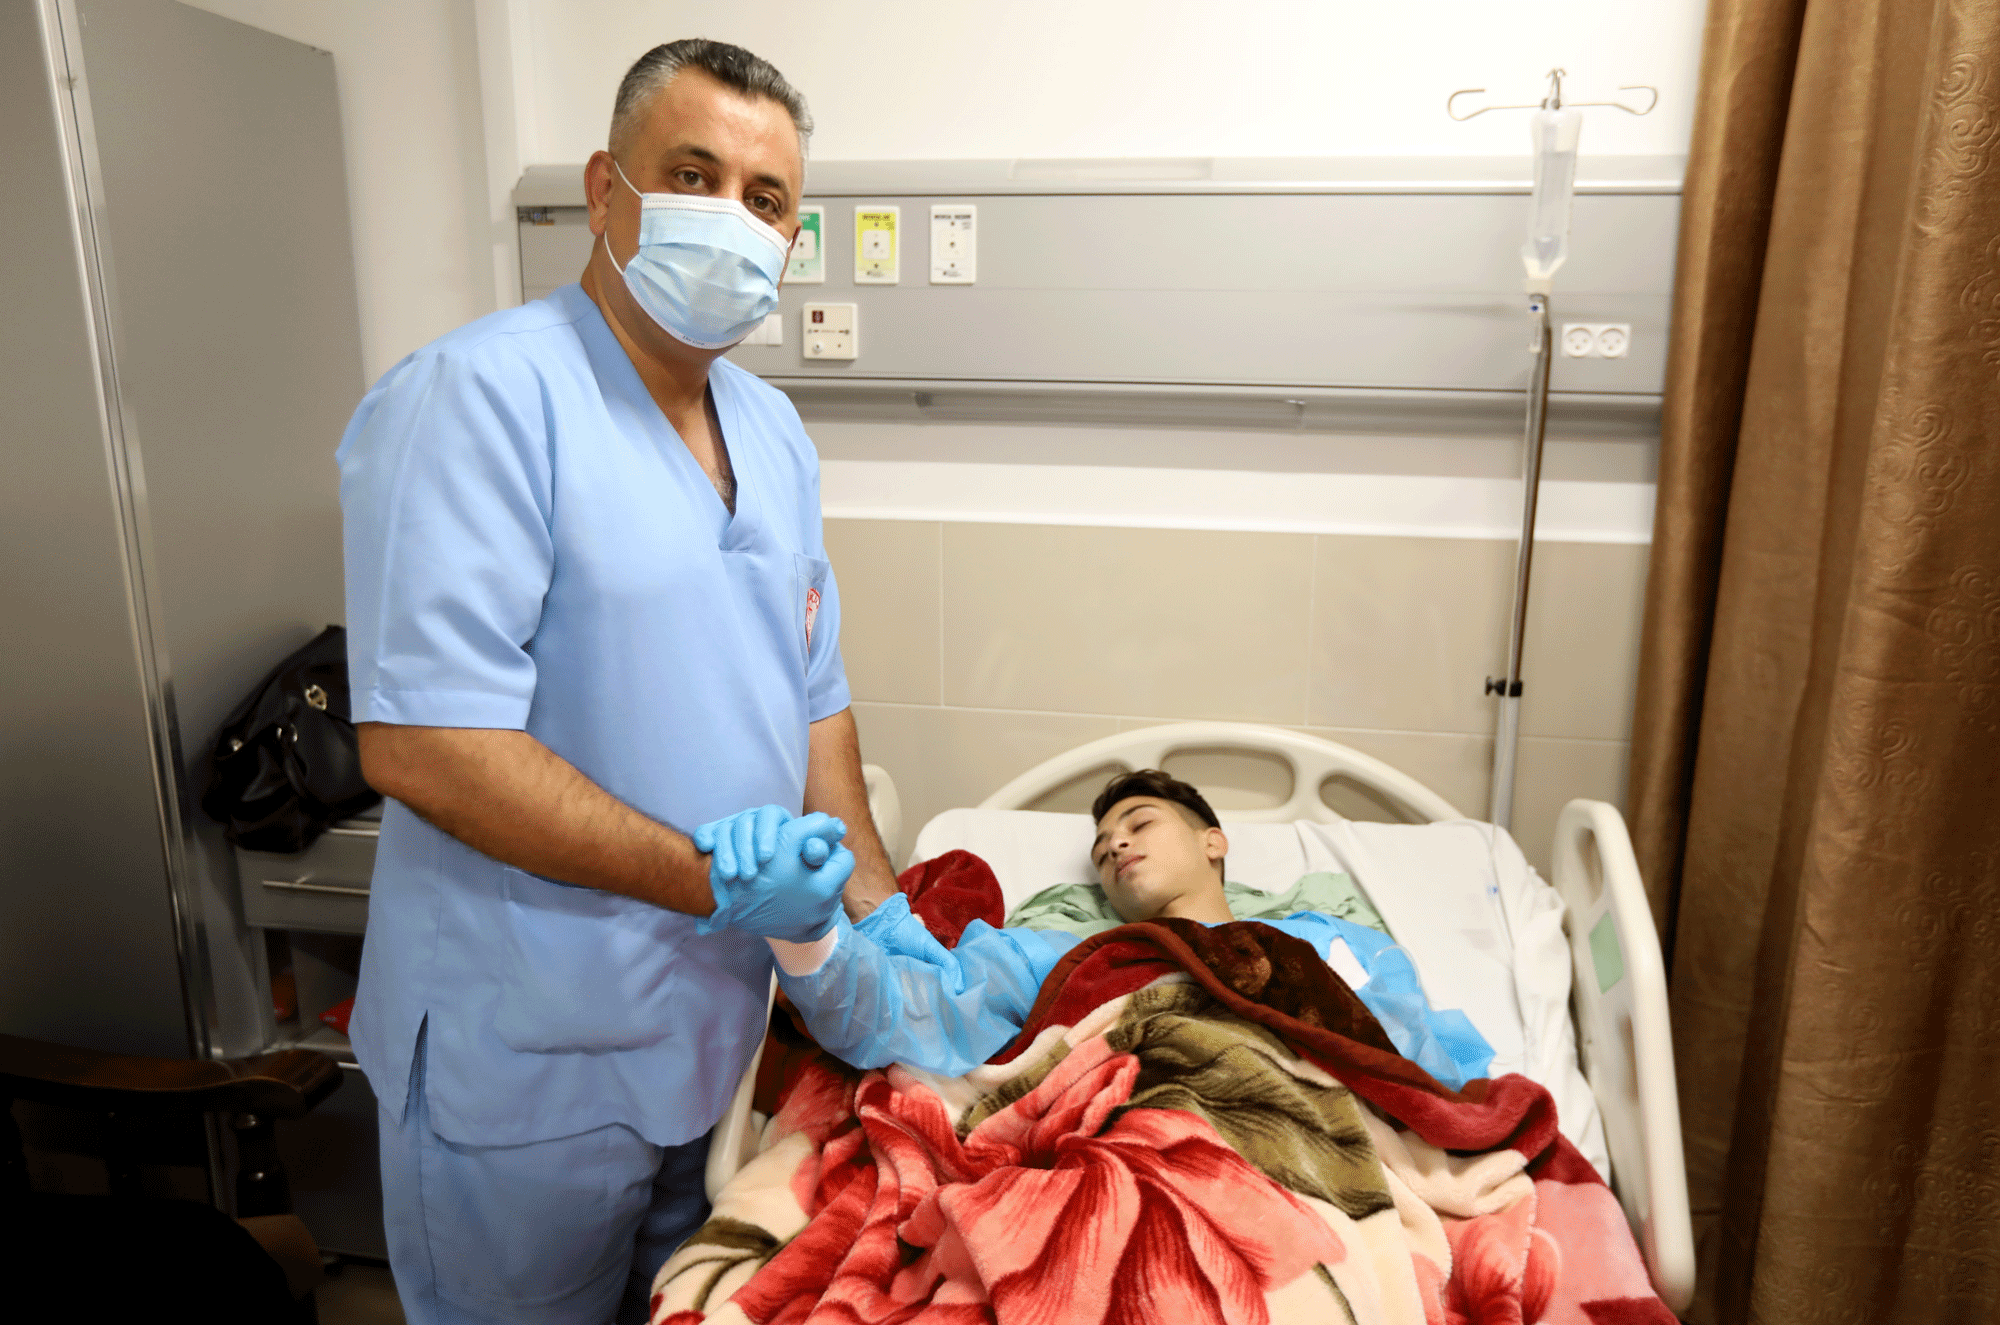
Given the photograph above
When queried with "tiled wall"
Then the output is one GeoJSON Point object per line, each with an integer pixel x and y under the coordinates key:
{"type": "Point", "coordinates": [977, 650]}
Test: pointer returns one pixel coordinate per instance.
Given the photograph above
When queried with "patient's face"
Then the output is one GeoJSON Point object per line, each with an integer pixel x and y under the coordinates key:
{"type": "Point", "coordinates": [1151, 854]}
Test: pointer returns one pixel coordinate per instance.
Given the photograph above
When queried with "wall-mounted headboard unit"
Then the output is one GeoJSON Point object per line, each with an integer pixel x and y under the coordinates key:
{"type": "Point", "coordinates": [1336, 295]}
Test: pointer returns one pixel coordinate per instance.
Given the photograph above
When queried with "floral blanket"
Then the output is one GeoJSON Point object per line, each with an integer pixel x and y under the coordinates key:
{"type": "Point", "coordinates": [1196, 1124]}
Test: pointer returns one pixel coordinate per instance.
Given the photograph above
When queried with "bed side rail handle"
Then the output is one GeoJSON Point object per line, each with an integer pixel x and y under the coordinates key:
{"type": "Point", "coordinates": [1626, 1039]}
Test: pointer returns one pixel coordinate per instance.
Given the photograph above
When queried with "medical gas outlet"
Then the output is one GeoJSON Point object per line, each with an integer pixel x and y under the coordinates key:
{"type": "Point", "coordinates": [877, 256]}
{"type": "Point", "coordinates": [832, 331]}
{"type": "Point", "coordinates": [954, 250]}
{"type": "Point", "coordinates": [808, 261]}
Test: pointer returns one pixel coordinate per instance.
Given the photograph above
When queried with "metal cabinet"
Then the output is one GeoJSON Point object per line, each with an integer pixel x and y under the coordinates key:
{"type": "Point", "coordinates": [323, 889]}
{"type": "Point", "coordinates": [182, 352]}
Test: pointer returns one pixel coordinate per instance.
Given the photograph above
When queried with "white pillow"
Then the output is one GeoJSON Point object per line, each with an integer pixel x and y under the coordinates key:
{"type": "Point", "coordinates": [1485, 934]}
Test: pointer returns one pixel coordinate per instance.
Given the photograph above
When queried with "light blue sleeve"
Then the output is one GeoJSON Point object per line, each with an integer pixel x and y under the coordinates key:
{"type": "Point", "coordinates": [826, 673]}
{"type": "Point", "coordinates": [1442, 1042]}
{"type": "Point", "coordinates": [777, 421]}
{"type": "Point", "coordinates": [891, 993]}
{"type": "Point", "coordinates": [445, 495]}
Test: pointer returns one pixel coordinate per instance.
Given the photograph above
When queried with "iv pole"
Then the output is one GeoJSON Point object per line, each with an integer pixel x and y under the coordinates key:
{"type": "Point", "coordinates": [1507, 743]}
{"type": "Point", "coordinates": [1555, 129]}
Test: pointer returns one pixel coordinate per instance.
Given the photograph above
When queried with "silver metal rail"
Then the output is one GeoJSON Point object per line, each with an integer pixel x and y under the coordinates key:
{"type": "Point", "coordinates": [317, 889]}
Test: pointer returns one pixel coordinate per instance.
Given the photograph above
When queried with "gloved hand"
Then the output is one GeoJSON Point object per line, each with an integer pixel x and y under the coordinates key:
{"type": "Point", "coordinates": [791, 894]}
{"type": "Point", "coordinates": [742, 843]}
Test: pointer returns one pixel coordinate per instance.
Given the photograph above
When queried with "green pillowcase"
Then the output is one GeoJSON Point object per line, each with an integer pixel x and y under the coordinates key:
{"type": "Point", "coordinates": [1081, 908]}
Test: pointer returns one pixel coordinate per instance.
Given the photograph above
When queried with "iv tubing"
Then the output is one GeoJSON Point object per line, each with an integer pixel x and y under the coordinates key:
{"type": "Point", "coordinates": [1506, 743]}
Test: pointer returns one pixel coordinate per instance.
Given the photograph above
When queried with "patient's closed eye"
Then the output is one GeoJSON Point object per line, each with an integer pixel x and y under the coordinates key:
{"type": "Point", "coordinates": [1133, 822]}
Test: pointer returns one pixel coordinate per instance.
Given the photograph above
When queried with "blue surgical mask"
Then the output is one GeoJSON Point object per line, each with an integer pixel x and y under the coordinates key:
{"type": "Point", "coordinates": [707, 269]}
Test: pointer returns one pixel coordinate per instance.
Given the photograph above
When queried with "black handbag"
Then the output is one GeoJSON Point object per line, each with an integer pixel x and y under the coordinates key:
{"type": "Point", "coordinates": [287, 763]}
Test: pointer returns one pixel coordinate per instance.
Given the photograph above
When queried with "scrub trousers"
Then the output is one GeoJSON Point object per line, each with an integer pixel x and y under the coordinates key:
{"type": "Point", "coordinates": [551, 1232]}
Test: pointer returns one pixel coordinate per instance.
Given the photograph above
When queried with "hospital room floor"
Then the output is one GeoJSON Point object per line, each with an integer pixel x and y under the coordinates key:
{"type": "Point", "coordinates": [357, 1294]}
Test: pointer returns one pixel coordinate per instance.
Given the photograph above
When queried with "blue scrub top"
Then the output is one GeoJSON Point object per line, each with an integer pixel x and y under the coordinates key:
{"type": "Point", "coordinates": [529, 545]}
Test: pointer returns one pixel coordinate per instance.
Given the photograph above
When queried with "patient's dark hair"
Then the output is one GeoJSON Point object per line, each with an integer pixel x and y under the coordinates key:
{"type": "Point", "coordinates": [1152, 782]}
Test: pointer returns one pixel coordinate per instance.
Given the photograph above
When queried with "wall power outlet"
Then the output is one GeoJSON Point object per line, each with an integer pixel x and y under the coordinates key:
{"type": "Point", "coordinates": [1596, 340]}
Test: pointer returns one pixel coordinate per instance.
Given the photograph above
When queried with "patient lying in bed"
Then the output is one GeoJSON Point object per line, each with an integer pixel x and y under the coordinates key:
{"type": "Point", "coordinates": [1194, 1121]}
{"type": "Point", "coordinates": [885, 991]}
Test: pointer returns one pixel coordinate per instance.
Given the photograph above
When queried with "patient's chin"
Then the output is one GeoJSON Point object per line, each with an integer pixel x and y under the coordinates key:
{"type": "Point", "coordinates": [1133, 908]}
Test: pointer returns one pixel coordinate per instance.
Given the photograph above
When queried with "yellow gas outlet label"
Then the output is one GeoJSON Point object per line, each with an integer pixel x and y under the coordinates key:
{"type": "Point", "coordinates": [877, 256]}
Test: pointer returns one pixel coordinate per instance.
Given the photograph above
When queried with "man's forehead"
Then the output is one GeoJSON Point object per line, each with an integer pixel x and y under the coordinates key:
{"type": "Point", "coordinates": [694, 105]}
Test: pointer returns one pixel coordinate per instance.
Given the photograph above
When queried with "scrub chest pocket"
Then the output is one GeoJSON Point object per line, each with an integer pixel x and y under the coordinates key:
{"type": "Point", "coordinates": [811, 573]}
{"type": "Point", "coordinates": [586, 969]}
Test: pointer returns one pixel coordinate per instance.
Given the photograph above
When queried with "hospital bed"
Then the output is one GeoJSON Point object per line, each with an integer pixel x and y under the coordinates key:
{"type": "Point", "coordinates": [1565, 981]}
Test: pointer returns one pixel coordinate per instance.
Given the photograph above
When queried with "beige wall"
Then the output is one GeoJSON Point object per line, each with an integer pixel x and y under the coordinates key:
{"type": "Point", "coordinates": [977, 650]}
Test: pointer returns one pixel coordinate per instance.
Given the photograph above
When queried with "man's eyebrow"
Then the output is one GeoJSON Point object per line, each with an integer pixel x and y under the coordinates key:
{"type": "Point", "coordinates": [773, 181]}
{"type": "Point", "coordinates": [700, 153]}
{"type": "Point", "coordinates": [695, 150]}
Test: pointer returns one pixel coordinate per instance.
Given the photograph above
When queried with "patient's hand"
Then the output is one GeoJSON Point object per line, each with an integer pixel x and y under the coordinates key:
{"type": "Point", "coordinates": [868, 889]}
{"type": "Point", "coordinates": [792, 893]}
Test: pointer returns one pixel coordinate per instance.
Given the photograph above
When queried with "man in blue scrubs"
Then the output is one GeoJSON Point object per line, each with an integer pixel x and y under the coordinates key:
{"type": "Point", "coordinates": [589, 610]}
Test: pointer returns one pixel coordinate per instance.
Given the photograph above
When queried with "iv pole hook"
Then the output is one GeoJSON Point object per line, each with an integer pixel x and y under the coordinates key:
{"type": "Point", "coordinates": [1553, 101]}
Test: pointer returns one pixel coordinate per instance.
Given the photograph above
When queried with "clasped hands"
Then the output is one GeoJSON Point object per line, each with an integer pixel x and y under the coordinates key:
{"type": "Point", "coordinates": [775, 875]}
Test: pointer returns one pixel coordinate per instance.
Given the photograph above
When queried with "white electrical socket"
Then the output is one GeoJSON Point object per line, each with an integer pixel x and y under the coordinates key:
{"type": "Point", "coordinates": [1596, 340]}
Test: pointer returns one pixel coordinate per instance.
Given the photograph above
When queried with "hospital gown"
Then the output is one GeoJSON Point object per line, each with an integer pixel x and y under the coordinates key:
{"type": "Point", "coordinates": [889, 992]}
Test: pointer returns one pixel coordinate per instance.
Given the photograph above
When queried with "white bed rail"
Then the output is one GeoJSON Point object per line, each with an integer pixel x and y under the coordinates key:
{"type": "Point", "coordinates": [1312, 762]}
{"type": "Point", "coordinates": [1623, 1038]}
{"type": "Point", "coordinates": [885, 807]}
{"type": "Point", "coordinates": [734, 1140]}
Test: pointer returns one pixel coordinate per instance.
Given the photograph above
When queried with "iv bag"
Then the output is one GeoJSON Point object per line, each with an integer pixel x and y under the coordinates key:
{"type": "Point", "coordinates": [1554, 134]}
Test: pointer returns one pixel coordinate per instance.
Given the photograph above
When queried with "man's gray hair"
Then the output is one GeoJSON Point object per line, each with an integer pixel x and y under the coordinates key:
{"type": "Point", "coordinates": [732, 66]}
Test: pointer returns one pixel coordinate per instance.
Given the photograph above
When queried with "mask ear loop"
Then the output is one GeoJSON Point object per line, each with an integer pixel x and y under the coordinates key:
{"type": "Point", "coordinates": [605, 238]}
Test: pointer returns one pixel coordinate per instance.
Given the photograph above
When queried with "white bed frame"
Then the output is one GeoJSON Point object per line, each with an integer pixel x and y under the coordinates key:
{"type": "Point", "coordinates": [1622, 1032]}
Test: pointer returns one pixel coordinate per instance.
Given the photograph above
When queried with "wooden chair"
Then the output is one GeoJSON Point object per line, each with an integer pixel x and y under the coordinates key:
{"type": "Point", "coordinates": [131, 1092]}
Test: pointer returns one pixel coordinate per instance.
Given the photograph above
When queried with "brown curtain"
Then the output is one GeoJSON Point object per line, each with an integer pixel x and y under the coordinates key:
{"type": "Point", "coordinates": [1816, 754]}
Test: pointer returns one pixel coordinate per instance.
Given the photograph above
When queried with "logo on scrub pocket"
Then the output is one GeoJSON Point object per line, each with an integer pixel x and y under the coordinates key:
{"type": "Point", "coordinates": [812, 611]}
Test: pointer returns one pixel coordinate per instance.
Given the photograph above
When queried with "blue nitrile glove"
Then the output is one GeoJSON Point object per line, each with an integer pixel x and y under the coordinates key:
{"type": "Point", "coordinates": [742, 843]}
{"type": "Point", "coordinates": [794, 894]}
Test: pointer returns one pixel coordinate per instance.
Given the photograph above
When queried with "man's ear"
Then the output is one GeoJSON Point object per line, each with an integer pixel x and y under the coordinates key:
{"type": "Point", "coordinates": [599, 179]}
{"type": "Point", "coordinates": [1213, 844]}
